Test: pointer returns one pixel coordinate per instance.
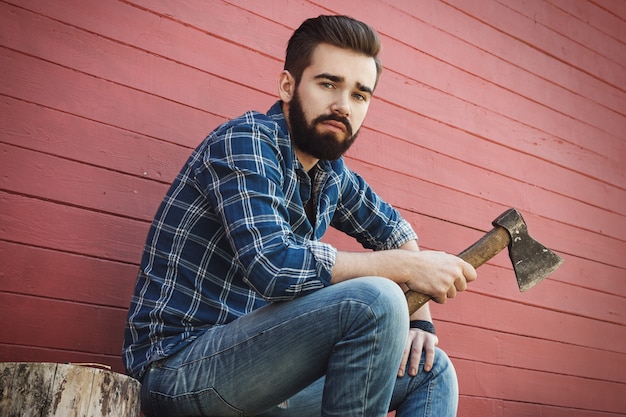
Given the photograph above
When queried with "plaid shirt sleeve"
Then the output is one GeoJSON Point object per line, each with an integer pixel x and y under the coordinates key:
{"type": "Point", "coordinates": [244, 177]}
{"type": "Point", "coordinates": [362, 214]}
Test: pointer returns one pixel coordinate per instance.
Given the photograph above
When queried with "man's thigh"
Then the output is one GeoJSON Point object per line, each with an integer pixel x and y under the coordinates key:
{"type": "Point", "coordinates": [411, 396]}
{"type": "Point", "coordinates": [306, 403]}
{"type": "Point", "coordinates": [258, 360]}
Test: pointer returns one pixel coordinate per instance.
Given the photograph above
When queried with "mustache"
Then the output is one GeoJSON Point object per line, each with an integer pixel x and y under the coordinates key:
{"type": "Point", "coordinates": [337, 118]}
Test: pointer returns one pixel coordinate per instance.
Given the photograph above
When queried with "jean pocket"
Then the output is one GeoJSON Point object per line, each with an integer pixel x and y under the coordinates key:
{"type": "Point", "coordinates": [205, 403]}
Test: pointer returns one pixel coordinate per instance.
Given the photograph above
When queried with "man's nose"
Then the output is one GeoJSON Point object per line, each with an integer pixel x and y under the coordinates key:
{"type": "Point", "coordinates": [341, 106]}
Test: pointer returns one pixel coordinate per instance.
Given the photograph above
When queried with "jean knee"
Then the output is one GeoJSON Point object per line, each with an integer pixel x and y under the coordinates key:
{"type": "Point", "coordinates": [384, 298]}
{"type": "Point", "coordinates": [445, 370]}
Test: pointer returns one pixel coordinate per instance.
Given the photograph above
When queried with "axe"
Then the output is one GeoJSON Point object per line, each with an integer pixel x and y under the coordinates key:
{"type": "Point", "coordinates": [532, 261]}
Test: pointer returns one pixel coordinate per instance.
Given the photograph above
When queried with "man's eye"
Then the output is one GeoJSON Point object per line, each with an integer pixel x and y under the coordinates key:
{"type": "Point", "coordinates": [328, 85]}
{"type": "Point", "coordinates": [360, 97]}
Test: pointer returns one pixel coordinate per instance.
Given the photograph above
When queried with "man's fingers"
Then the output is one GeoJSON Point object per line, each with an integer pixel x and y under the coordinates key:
{"type": "Point", "coordinates": [422, 343]}
{"type": "Point", "coordinates": [439, 299]}
{"type": "Point", "coordinates": [451, 292]}
{"type": "Point", "coordinates": [405, 357]}
{"type": "Point", "coordinates": [469, 272]}
{"type": "Point", "coordinates": [416, 352]}
{"type": "Point", "coordinates": [429, 357]}
{"type": "Point", "coordinates": [460, 284]}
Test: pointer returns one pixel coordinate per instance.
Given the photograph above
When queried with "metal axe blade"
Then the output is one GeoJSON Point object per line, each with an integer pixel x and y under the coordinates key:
{"type": "Point", "coordinates": [532, 262]}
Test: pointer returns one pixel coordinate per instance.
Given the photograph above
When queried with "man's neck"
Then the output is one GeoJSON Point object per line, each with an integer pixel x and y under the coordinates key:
{"type": "Point", "coordinates": [306, 160]}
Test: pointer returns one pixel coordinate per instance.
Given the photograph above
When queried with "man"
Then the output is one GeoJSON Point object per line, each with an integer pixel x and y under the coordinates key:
{"type": "Point", "coordinates": [240, 310]}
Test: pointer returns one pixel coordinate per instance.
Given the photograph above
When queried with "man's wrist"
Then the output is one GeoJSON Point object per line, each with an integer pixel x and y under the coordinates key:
{"type": "Point", "coordinates": [424, 325]}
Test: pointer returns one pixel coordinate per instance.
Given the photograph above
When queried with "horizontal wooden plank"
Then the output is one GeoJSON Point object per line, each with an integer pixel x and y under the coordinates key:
{"type": "Point", "coordinates": [578, 31]}
{"type": "Point", "coordinates": [552, 294]}
{"type": "Point", "coordinates": [59, 227]}
{"type": "Point", "coordinates": [68, 182]}
{"type": "Point", "coordinates": [501, 88]}
{"type": "Point", "coordinates": [480, 407]}
{"type": "Point", "coordinates": [603, 17]}
{"type": "Point", "coordinates": [615, 7]}
{"type": "Point", "coordinates": [494, 159]}
{"type": "Point", "coordinates": [540, 388]}
{"type": "Point", "coordinates": [491, 312]}
{"type": "Point", "coordinates": [190, 84]}
{"type": "Point", "coordinates": [16, 353]}
{"type": "Point", "coordinates": [75, 138]}
{"type": "Point", "coordinates": [54, 324]}
{"type": "Point", "coordinates": [531, 353]}
{"type": "Point", "coordinates": [59, 275]}
{"type": "Point", "coordinates": [466, 27]}
{"type": "Point", "coordinates": [566, 149]}
{"type": "Point", "coordinates": [224, 20]}
{"type": "Point", "coordinates": [112, 104]}
{"type": "Point", "coordinates": [546, 41]}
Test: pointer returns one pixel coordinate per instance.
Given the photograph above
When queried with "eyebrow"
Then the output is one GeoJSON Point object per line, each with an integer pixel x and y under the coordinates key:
{"type": "Point", "coordinates": [338, 79]}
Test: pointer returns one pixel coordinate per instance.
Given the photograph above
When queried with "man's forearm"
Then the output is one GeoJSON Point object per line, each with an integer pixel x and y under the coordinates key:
{"type": "Point", "coordinates": [350, 265]}
{"type": "Point", "coordinates": [387, 264]}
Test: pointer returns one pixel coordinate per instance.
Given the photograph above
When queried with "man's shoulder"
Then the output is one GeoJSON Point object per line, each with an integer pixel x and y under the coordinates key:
{"type": "Point", "coordinates": [272, 121]}
{"type": "Point", "coordinates": [256, 134]}
{"type": "Point", "coordinates": [251, 127]}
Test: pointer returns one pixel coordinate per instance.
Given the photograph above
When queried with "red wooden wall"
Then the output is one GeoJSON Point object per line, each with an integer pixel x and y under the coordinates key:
{"type": "Point", "coordinates": [483, 105]}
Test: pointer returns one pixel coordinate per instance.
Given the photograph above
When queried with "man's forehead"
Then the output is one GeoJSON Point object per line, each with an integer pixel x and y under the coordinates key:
{"type": "Point", "coordinates": [353, 68]}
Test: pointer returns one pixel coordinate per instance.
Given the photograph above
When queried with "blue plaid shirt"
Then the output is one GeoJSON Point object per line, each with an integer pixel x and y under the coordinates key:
{"type": "Point", "coordinates": [232, 235]}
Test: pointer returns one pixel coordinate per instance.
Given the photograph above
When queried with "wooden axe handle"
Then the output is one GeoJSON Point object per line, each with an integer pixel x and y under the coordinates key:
{"type": "Point", "coordinates": [480, 252]}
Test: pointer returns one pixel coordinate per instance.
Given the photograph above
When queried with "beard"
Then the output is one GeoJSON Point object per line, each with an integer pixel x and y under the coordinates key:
{"type": "Point", "coordinates": [319, 145]}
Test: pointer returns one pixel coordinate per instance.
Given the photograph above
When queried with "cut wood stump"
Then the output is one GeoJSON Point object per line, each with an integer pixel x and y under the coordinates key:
{"type": "Point", "coordinates": [66, 390]}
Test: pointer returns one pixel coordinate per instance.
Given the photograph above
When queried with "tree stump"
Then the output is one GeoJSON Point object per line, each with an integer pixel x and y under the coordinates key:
{"type": "Point", "coordinates": [64, 390]}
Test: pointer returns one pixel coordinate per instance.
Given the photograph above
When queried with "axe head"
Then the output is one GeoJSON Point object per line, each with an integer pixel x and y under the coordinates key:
{"type": "Point", "coordinates": [532, 261]}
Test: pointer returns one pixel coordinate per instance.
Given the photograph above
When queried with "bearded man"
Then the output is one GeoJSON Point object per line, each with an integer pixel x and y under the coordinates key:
{"type": "Point", "coordinates": [240, 309]}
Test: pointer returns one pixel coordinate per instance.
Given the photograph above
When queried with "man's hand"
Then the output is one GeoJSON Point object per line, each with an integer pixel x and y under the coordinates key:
{"type": "Point", "coordinates": [440, 275]}
{"type": "Point", "coordinates": [418, 341]}
{"type": "Point", "coordinates": [437, 274]}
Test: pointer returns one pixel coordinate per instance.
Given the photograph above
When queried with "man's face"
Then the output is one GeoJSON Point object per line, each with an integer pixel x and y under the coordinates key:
{"type": "Point", "coordinates": [329, 105]}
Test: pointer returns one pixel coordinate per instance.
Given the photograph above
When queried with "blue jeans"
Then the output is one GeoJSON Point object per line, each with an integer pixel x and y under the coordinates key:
{"type": "Point", "coordinates": [331, 353]}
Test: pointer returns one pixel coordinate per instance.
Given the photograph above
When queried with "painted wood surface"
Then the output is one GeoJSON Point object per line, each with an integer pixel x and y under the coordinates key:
{"type": "Point", "coordinates": [483, 105]}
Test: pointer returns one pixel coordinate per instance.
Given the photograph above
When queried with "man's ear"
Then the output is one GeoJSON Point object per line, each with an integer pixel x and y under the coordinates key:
{"type": "Point", "coordinates": [286, 86]}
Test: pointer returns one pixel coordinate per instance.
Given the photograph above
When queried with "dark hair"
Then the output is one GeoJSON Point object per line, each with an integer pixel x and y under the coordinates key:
{"type": "Point", "coordinates": [340, 31]}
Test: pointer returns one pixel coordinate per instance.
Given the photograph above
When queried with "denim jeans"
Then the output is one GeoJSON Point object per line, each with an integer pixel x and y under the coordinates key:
{"type": "Point", "coordinates": [332, 353]}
